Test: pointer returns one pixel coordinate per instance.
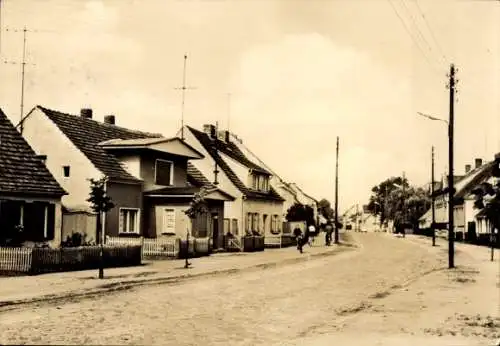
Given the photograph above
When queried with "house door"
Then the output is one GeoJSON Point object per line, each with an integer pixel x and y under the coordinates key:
{"type": "Point", "coordinates": [215, 230]}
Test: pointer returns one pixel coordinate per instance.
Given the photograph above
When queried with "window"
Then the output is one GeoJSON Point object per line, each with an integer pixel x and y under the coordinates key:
{"type": "Point", "coordinates": [234, 227]}
{"type": "Point", "coordinates": [260, 182]}
{"type": "Point", "coordinates": [227, 226]}
{"type": "Point", "coordinates": [264, 223]}
{"type": "Point", "coordinates": [275, 224]}
{"type": "Point", "coordinates": [129, 220]}
{"type": "Point", "coordinates": [66, 171]}
{"type": "Point", "coordinates": [255, 222]}
{"type": "Point", "coordinates": [248, 225]}
{"type": "Point", "coordinates": [164, 172]}
{"type": "Point", "coordinates": [168, 221]}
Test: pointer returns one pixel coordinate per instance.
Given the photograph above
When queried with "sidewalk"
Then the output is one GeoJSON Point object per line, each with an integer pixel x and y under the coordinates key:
{"type": "Point", "coordinates": [67, 285]}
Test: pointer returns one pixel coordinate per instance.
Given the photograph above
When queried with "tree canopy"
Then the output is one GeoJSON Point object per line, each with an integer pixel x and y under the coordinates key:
{"type": "Point", "coordinates": [325, 209]}
{"type": "Point", "coordinates": [395, 200]}
{"type": "Point", "coordinates": [300, 212]}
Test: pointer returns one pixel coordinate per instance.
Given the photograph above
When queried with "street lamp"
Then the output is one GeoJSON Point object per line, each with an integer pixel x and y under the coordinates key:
{"type": "Point", "coordinates": [451, 190]}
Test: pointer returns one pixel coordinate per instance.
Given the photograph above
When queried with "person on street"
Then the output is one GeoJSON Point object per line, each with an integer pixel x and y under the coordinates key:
{"type": "Point", "coordinates": [328, 234]}
{"type": "Point", "coordinates": [299, 238]}
{"type": "Point", "coordinates": [312, 232]}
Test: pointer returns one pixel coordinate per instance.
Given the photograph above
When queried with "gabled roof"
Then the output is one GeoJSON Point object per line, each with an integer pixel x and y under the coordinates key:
{"type": "Point", "coordinates": [231, 150]}
{"type": "Point", "coordinates": [475, 177]}
{"type": "Point", "coordinates": [196, 178]}
{"type": "Point", "coordinates": [174, 146]}
{"type": "Point", "coordinates": [21, 172]}
{"type": "Point", "coordinates": [86, 134]}
{"type": "Point", "coordinates": [302, 191]}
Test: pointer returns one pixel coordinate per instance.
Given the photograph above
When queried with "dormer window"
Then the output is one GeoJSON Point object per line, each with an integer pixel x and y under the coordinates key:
{"type": "Point", "coordinates": [164, 172]}
{"type": "Point", "coordinates": [260, 182]}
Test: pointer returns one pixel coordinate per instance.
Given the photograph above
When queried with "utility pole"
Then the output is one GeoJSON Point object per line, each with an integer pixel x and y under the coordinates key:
{"type": "Point", "coordinates": [183, 89]}
{"type": "Point", "coordinates": [433, 200]}
{"type": "Point", "coordinates": [336, 239]}
{"type": "Point", "coordinates": [215, 140]}
{"type": "Point", "coordinates": [404, 205]}
{"type": "Point", "coordinates": [23, 64]}
{"type": "Point", "coordinates": [451, 187]}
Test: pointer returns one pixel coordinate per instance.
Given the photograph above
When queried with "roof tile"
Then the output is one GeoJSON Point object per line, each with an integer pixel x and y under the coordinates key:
{"type": "Point", "coordinates": [21, 172]}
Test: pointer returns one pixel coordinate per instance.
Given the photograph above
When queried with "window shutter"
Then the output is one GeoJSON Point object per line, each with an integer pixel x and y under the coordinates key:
{"type": "Point", "coordinates": [121, 221]}
{"type": "Point", "coordinates": [51, 220]}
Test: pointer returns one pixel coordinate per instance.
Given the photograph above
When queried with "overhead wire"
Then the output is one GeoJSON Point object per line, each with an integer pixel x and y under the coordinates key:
{"type": "Point", "coordinates": [431, 31]}
{"type": "Point", "coordinates": [415, 41]}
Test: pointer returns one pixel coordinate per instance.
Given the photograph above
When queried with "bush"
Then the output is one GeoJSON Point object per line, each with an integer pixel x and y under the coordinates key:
{"type": "Point", "coordinates": [76, 240]}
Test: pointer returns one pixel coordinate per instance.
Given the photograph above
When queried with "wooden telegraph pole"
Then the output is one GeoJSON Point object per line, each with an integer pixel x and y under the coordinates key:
{"type": "Point", "coordinates": [451, 188]}
{"type": "Point", "coordinates": [433, 208]}
{"type": "Point", "coordinates": [337, 194]}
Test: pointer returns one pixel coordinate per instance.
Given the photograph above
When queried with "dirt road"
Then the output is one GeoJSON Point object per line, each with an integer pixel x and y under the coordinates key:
{"type": "Point", "coordinates": [395, 291]}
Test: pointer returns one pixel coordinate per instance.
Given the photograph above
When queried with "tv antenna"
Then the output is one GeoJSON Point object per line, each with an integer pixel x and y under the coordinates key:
{"type": "Point", "coordinates": [184, 88]}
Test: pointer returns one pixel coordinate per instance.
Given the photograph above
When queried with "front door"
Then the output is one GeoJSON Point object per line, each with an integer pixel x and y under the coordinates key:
{"type": "Point", "coordinates": [215, 230]}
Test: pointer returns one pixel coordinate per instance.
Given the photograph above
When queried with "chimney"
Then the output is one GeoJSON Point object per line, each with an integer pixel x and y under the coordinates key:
{"type": "Point", "coordinates": [227, 137]}
{"type": "Point", "coordinates": [109, 119]}
{"type": "Point", "coordinates": [86, 113]}
{"type": "Point", "coordinates": [479, 162]}
{"type": "Point", "coordinates": [210, 131]}
{"type": "Point", "coordinates": [467, 168]}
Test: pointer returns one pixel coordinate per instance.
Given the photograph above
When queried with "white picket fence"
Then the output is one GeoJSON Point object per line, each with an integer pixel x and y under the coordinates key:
{"type": "Point", "coordinates": [273, 241]}
{"type": "Point", "coordinates": [166, 247]}
{"type": "Point", "coordinates": [15, 259]}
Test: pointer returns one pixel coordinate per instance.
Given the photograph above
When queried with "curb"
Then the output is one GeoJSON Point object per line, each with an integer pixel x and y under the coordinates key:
{"type": "Point", "coordinates": [66, 297]}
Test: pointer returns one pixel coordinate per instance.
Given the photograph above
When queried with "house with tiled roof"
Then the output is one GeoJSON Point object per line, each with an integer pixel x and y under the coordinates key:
{"type": "Point", "coordinates": [290, 192]}
{"type": "Point", "coordinates": [465, 221]}
{"type": "Point", "coordinates": [150, 178]}
{"type": "Point", "coordinates": [30, 196]}
{"type": "Point", "coordinates": [258, 207]}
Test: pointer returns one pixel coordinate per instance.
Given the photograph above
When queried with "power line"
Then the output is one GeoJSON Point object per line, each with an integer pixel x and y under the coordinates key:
{"type": "Point", "coordinates": [416, 26]}
{"type": "Point", "coordinates": [431, 31]}
{"type": "Point", "coordinates": [412, 37]}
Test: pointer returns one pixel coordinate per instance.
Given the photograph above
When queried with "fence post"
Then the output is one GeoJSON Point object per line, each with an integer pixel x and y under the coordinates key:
{"type": "Point", "coordinates": [142, 248]}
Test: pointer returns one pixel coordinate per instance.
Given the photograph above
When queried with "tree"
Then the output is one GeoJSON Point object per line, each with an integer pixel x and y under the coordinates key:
{"type": "Point", "coordinates": [325, 209]}
{"type": "Point", "coordinates": [488, 200]}
{"type": "Point", "coordinates": [100, 203]}
{"type": "Point", "coordinates": [384, 198]}
{"type": "Point", "coordinates": [395, 200]}
{"type": "Point", "coordinates": [197, 206]}
{"type": "Point", "coordinates": [300, 212]}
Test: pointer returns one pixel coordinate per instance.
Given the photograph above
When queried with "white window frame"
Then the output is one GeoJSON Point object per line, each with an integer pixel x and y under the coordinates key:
{"type": "Point", "coordinates": [171, 182]}
{"type": "Point", "coordinates": [137, 221]}
{"type": "Point", "coordinates": [46, 222]}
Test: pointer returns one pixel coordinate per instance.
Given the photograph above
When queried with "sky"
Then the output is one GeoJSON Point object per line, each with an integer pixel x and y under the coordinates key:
{"type": "Point", "coordinates": [300, 73]}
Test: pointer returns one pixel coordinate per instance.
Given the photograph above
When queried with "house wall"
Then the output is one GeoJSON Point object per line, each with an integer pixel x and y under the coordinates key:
{"type": "Point", "coordinates": [132, 163]}
{"type": "Point", "coordinates": [269, 208]}
{"type": "Point", "coordinates": [123, 196]}
{"type": "Point", "coordinates": [79, 222]}
{"type": "Point", "coordinates": [241, 171]}
{"type": "Point", "coordinates": [58, 236]}
{"type": "Point", "coordinates": [148, 164]}
{"type": "Point", "coordinates": [201, 227]}
{"type": "Point", "coordinates": [233, 209]}
{"type": "Point", "coordinates": [46, 139]}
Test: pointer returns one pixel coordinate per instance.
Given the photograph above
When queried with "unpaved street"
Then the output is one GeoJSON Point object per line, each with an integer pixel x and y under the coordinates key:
{"type": "Point", "coordinates": [356, 297]}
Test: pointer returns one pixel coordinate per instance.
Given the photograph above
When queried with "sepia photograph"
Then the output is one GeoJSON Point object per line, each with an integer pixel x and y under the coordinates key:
{"type": "Point", "coordinates": [250, 172]}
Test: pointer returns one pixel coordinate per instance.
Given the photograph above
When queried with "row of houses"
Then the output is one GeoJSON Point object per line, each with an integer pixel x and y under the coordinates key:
{"type": "Point", "coordinates": [468, 221]}
{"type": "Point", "coordinates": [45, 169]}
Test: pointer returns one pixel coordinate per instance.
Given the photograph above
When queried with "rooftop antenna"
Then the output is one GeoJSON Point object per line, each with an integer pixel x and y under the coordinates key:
{"type": "Point", "coordinates": [183, 88]}
{"type": "Point", "coordinates": [23, 64]}
{"type": "Point", "coordinates": [228, 111]}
